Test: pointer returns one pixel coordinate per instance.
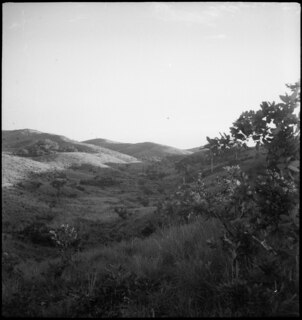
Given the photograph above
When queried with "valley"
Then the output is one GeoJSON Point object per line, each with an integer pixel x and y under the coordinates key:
{"type": "Point", "coordinates": [95, 232]}
{"type": "Point", "coordinates": [107, 196]}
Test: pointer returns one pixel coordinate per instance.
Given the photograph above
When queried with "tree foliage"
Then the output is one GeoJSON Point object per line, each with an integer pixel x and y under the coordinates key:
{"type": "Point", "coordinates": [260, 216]}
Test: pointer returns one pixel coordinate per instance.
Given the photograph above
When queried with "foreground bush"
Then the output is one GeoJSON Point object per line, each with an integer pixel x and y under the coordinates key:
{"type": "Point", "coordinates": [259, 213]}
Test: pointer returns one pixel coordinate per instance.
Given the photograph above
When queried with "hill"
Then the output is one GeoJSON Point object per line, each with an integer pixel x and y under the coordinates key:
{"type": "Point", "coordinates": [15, 169]}
{"type": "Point", "coordinates": [142, 150]}
{"type": "Point", "coordinates": [29, 151]}
{"type": "Point", "coordinates": [18, 141]}
{"type": "Point", "coordinates": [34, 143]}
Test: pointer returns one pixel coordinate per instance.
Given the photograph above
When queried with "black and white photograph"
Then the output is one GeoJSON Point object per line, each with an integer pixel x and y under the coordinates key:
{"type": "Point", "coordinates": [150, 159]}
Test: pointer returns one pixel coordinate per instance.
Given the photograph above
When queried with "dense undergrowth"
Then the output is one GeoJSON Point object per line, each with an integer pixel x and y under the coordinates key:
{"type": "Point", "coordinates": [225, 244]}
{"type": "Point", "coordinates": [156, 276]}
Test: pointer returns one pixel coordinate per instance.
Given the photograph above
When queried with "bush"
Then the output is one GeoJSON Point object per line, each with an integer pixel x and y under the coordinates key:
{"type": "Point", "coordinates": [67, 240]}
{"type": "Point", "coordinates": [39, 148]}
{"type": "Point", "coordinates": [37, 233]}
{"type": "Point", "coordinates": [148, 230]}
{"type": "Point", "coordinates": [143, 200]}
{"type": "Point", "coordinates": [100, 182]}
{"type": "Point", "coordinates": [80, 188]}
{"type": "Point", "coordinates": [147, 191]}
{"type": "Point", "coordinates": [122, 212]}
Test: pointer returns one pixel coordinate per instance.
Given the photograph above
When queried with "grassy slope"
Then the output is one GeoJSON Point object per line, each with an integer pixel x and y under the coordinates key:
{"type": "Point", "coordinates": [17, 139]}
{"type": "Point", "coordinates": [139, 150]}
{"type": "Point", "coordinates": [28, 193]}
{"type": "Point", "coordinates": [15, 169]}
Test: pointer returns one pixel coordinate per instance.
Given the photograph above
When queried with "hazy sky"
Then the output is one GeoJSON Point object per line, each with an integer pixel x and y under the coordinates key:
{"type": "Point", "coordinates": [171, 73]}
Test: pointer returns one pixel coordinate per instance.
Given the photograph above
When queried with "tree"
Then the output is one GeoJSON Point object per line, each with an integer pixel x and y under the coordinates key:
{"type": "Point", "coordinates": [274, 127]}
{"type": "Point", "coordinates": [213, 145]}
{"type": "Point", "coordinates": [261, 215]}
{"type": "Point", "coordinates": [266, 211]}
{"type": "Point", "coordinates": [58, 184]}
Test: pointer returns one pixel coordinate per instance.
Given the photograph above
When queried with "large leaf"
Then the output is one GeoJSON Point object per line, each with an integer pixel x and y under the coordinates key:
{"type": "Point", "coordinates": [292, 168]}
{"type": "Point", "coordinates": [256, 137]}
{"type": "Point", "coordinates": [294, 95]}
{"type": "Point", "coordinates": [295, 163]}
{"type": "Point", "coordinates": [240, 136]}
{"type": "Point", "coordinates": [209, 140]}
{"type": "Point", "coordinates": [285, 99]}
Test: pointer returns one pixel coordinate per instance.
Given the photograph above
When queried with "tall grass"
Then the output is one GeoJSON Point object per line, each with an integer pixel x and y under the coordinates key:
{"type": "Point", "coordinates": [180, 259]}
{"type": "Point", "coordinates": [171, 273]}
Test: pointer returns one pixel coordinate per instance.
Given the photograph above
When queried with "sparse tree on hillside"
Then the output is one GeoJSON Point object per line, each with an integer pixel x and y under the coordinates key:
{"type": "Point", "coordinates": [214, 147]}
{"type": "Point", "coordinates": [122, 212]}
{"type": "Point", "coordinates": [224, 145]}
{"type": "Point", "coordinates": [182, 168]}
{"type": "Point", "coordinates": [58, 184]}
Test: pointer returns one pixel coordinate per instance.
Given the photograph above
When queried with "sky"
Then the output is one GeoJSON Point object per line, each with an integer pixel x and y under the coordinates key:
{"type": "Point", "coordinates": [170, 73]}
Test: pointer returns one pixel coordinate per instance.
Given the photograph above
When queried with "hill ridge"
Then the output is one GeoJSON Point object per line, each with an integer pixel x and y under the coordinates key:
{"type": "Point", "coordinates": [55, 150]}
{"type": "Point", "coordinates": [140, 150]}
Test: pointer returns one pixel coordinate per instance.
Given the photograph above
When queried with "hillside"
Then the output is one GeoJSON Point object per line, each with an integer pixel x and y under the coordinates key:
{"type": "Point", "coordinates": [25, 152]}
{"type": "Point", "coordinates": [15, 169]}
{"type": "Point", "coordinates": [15, 140]}
{"type": "Point", "coordinates": [142, 150]}
{"type": "Point", "coordinates": [32, 143]}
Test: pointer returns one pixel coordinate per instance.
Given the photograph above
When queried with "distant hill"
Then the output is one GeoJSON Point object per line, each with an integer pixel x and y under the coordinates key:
{"type": "Point", "coordinates": [16, 140]}
{"type": "Point", "coordinates": [41, 143]}
{"type": "Point", "coordinates": [142, 150]}
{"type": "Point", "coordinates": [29, 151]}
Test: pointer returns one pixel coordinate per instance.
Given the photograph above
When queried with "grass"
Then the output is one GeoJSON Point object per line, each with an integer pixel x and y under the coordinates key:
{"type": "Point", "coordinates": [172, 272]}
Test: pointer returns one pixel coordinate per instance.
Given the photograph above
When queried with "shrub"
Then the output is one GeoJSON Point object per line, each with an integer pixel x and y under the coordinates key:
{"type": "Point", "coordinates": [66, 239]}
{"type": "Point", "coordinates": [147, 191]}
{"type": "Point", "coordinates": [58, 184]}
{"type": "Point", "coordinates": [39, 148]}
{"type": "Point", "coordinates": [80, 188]}
{"type": "Point", "coordinates": [38, 233]}
{"type": "Point", "coordinates": [147, 230]}
{"type": "Point", "coordinates": [100, 182]}
{"type": "Point", "coordinates": [122, 212]}
{"type": "Point", "coordinates": [143, 200]}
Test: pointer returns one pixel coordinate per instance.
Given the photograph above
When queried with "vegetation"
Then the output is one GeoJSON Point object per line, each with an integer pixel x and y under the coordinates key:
{"type": "Point", "coordinates": [260, 216]}
{"type": "Point", "coordinates": [224, 243]}
{"type": "Point", "coordinates": [44, 147]}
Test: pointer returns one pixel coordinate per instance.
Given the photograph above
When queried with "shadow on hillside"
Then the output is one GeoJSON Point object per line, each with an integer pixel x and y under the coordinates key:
{"type": "Point", "coordinates": [106, 204]}
{"type": "Point", "coordinates": [36, 204]}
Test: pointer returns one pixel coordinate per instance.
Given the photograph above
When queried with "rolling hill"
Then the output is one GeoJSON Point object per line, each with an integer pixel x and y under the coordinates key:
{"type": "Point", "coordinates": [15, 140]}
{"type": "Point", "coordinates": [29, 151]}
{"type": "Point", "coordinates": [142, 150]}
{"type": "Point", "coordinates": [34, 143]}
